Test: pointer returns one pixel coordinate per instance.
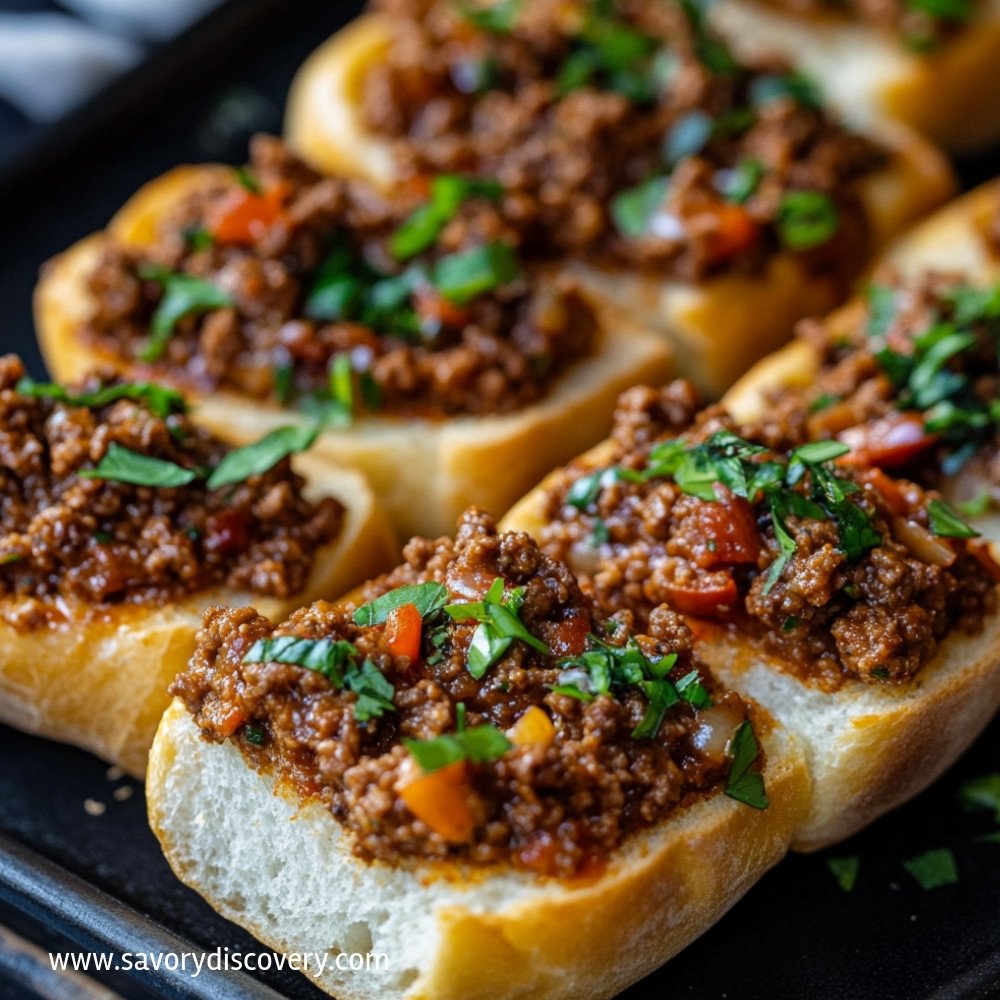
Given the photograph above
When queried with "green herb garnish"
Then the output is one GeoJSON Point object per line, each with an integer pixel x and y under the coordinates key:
{"type": "Point", "coordinates": [460, 277]}
{"type": "Point", "coordinates": [183, 295]}
{"type": "Point", "coordinates": [338, 661]}
{"type": "Point", "coordinates": [424, 226]}
{"type": "Point", "coordinates": [427, 598]}
{"type": "Point", "coordinates": [933, 869]}
{"type": "Point", "coordinates": [634, 209]}
{"type": "Point", "coordinates": [499, 17]}
{"type": "Point", "coordinates": [744, 785]}
{"type": "Point", "coordinates": [263, 455]}
{"type": "Point", "coordinates": [477, 745]}
{"type": "Point", "coordinates": [797, 87]}
{"type": "Point", "coordinates": [946, 523]}
{"type": "Point", "coordinates": [845, 871]}
{"type": "Point", "coordinates": [807, 219]}
{"type": "Point", "coordinates": [739, 184]}
{"type": "Point", "coordinates": [499, 625]}
{"type": "Point", "coordinates": [982, 793]}
{"type": "Point", "coordinates": [123, 465]}
{"type": "Point", "coordinates": [254, 735]}
{"type": "Point", "coordinates": [158, 399]}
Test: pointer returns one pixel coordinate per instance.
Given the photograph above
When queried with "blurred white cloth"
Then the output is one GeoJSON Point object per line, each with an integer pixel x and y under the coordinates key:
{"type": "Point", "coordinates": [49, 63]}
{"type": "Point", "coordinates": [152, 19]}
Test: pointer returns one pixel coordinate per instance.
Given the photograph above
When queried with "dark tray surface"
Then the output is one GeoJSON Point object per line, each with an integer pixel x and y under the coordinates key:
{"type": "Point", "coordinates": [796, 935]}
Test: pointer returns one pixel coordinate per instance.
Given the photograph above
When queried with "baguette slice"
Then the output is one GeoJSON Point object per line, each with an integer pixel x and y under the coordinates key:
{"type": "Point", "coordinates": [285, 871]}
{"type": "Point", "coordinates": [949, 94]}
{"type": "Point", "coordinates": [99, 680]}
{"type": "Point", "coordinates": [951, 240]}
{"type": "Point", "coordinates": [425, 472]}
{"type": "Point", "coordinates": [717, 328]}
{"type": "Point", "coordinates": [869, 748]}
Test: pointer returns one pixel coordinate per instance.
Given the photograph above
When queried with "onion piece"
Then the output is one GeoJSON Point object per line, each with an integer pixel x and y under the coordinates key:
{"type": "Point", "coordinates": [924, 545]}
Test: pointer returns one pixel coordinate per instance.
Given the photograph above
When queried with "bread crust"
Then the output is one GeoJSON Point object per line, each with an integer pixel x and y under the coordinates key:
{"type": "Point", "coordinates": [716, 328]}
{"type": "Point", "coordinates": [869, 747]}
{"type": "Point", "coordinates": [454, 933]}
{"type": "Point", "coordinates": [425, 472]}
{"type": "Point", "coordinates": [950, 94]}
{"type": "Point", "coordinates": [99, 679]}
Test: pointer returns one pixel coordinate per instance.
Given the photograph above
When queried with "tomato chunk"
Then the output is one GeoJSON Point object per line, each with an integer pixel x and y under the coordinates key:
{"type": "Point", "coordinates": [718, 597]}
{"type": "Point", "coordinates": [441, 800]}
{"type": "Point", "coordinates": [887, 442]}
{"type": "Point", "coordinates": [730, 532]}
{"type": "Point", "coordinates": [403, 631]}
{"type": "Point", "coordinates": [890, 490]}
{"type": "Point", "coordinates": [244, 215]}
{"type": "Point", "coordinates": [735, 230]}
{"type": "Point", "coordinates": [436, 310]}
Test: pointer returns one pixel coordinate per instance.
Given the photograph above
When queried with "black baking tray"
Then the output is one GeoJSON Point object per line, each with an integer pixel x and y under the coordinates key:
{"type": "Point", "coordinates": [73, 880]}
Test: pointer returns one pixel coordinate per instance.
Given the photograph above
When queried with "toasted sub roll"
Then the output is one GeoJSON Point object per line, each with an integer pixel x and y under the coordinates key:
{"type": "Point", "coordinates": [947, 93]}
{"type": "Point", "coordinates": [455, 914]}
{"type": "Point", "coordinates": [424, 471]}
{"type": "Point", "coordinates": [869, 746]}
{"type": "Point", "coordinates": [95, 672]}
{"type": "Point", "coordinates": [460, 935]}
{"type": "Point", "coordinates": [716, 326]}
{"type": "Point", "coordinates": [948, 251]}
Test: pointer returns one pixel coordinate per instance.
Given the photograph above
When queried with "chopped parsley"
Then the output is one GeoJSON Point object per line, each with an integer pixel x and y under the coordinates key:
{"type": "Point", "coordinates": [122, 465]}
{"type": "Point", "coordinates": [499, 626]}
{"type": "Point", "coordinates": [844, 870]}
{"type": "Point", "coordinates": [337, 660]}
{"type": "Point", "coordinates": [427, 598]}
{"type": "Point", "coordinates": [634, 209]}
{"type": "Point", "coordinates": [807, 219]}
{"type": "Point", "coordinates": [930, 377]}
{"type": "Point", "coordinates": [476, 744]}
{"type": "Point", "coordinates": [743, 784]}
{"type": "Point", "coordinates": [499, 16]}
{"type": "Point", "coordinates": [730, 461]}
{"type": "Point", "coordinates": [933, 869]}
{"type": "Point", "coordinates": [161, 401]}
{"type": "Point", "coordinates": [261, 456]}
{"type": "Point", "coordinates": [946, 523]}
{"type": "Point", "coordinates": [460, 277]}
{"type": "Point", "coordinates": [254, 735]}
{"type": "Point", "coordinates": [183, 295]}
{"type": "Point", "coordinates": [448, 191]}
{"type": "Point", "coordinates": [604, 667]}
{"type": "Point", "coordinates": [982, 793]}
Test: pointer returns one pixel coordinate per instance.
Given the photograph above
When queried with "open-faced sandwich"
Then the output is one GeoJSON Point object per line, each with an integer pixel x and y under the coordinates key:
{"type": "Point", "coordinates": [934, 66]}
{"type": "Point", "coordinates": [857, 608]}
{"type": "Point", "coordinates": [475, 773]}
{"type": "Point", "coordinates": [440, 366]}
{"type": "Point", "coordinates": [718, 202]}
{"type": "Point", "coordinates": [121, 522]}
{"type": "Point", "coordinates": [908, 376]}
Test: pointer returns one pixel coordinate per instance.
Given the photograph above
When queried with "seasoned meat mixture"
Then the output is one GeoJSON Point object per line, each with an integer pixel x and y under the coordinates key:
{"type": "Point", "coordinates": [622, 128]}
{"type": "Point", "coordinates": [911, 382]}
{"type": "Point", "coordinates": [68, 535]}
{"type": "Point", "coordinates": [317, 292]}
{"type": "Point", "coordinates": [919, 25]}
{"type": "Point", "coordinates": [843, 572]}
{"type": "Point", "coordinates": [546, 748]}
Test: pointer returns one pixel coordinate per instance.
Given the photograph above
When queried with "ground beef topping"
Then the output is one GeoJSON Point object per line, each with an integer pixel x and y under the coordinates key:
{"type": "Point", "coordinates": [910, 380]}
{"type": "Point", "coordinates": [475, 708]}
{"type": "Point", "coordinates": [316, 292]}
{"type": "Point", "coordinates": [920, 25]}
{"type": "Point", "coordinates": [103, 501]}
{"type": "Point", "coordinates": [841, 571]}
{"type": "Point", "coordinates": [621, 128]}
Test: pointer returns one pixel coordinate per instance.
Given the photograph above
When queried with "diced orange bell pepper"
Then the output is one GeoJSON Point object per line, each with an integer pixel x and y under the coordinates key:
{"type": "Point", "coordinates": [403, 631]}
{"type": "Point", "coordinates": [441, 800]}
{"type": "Point", "coordinates": [534, 728]}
